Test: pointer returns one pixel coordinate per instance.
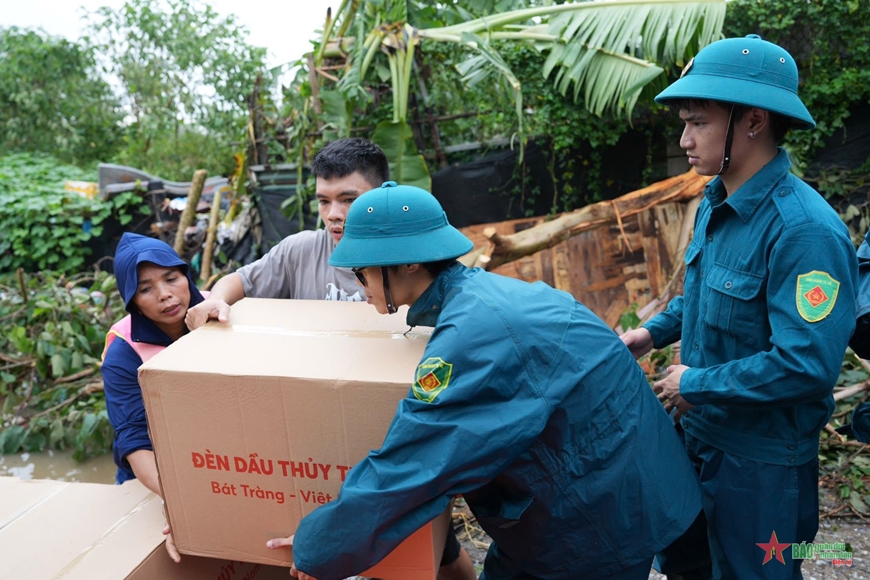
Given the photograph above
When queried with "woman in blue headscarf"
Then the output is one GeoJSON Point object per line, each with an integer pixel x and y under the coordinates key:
{"type": "Point", "coordinates": [157, 291]}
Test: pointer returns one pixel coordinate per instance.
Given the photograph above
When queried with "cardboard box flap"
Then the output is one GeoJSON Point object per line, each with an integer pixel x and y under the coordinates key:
{"type": "Point", "coordinates": [17, 497]}
{"type": "Point", "coordinates": [81, 531]}
{"type": "Point", "coordinates": [320, 348]}
{"type": "Point", "coordinates": [68, 525]}
{"type": "Point", "coordinates": [315, 315]}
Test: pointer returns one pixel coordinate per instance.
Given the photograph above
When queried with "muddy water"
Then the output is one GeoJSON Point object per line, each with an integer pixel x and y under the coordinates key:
{"type": "Point", "coordinates": [58, 465]}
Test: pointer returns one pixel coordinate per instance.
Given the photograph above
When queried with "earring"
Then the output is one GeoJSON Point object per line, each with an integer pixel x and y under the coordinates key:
{"type": "Point", "coordinates": [752, 134]}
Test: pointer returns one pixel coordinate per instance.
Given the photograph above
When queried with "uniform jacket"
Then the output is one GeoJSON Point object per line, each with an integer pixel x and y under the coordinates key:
{"type": "Point", "coordinates": [532, 408]}
{"type": "Point", "coordinates": [120, 361]}
{"type": "Point", "coordinates": [767, 309]}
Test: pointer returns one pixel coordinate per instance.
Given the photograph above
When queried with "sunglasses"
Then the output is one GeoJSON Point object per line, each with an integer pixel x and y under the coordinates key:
{"type": "Point", "coordinates": [360, 275]}
{"type": "Point", "coordinates": [388, 296]}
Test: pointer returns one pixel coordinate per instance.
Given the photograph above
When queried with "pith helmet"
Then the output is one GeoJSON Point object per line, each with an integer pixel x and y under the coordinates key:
{"type": "Point", "coordinates": [746, 71]}
{"type": "Point", "coordinates": [395, 225]}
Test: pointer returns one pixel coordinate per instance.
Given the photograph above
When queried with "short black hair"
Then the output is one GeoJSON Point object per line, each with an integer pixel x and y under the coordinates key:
{"type": "Point", "coordinates": [352, 154]}
{"type": "Point", "coordinates": [779, 124]}
{"type": "Point", "coordinates": [434, 268]}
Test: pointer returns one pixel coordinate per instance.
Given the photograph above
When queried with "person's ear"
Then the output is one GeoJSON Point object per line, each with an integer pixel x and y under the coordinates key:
{"type": "Point", "coordinates": [412, 268]}
{"type": "Point", "coordinates": [758, 121]}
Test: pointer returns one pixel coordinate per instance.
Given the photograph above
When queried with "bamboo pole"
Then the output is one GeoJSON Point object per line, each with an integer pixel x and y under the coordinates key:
{"type": "Point", "coordinates": [211, 234]}
{"type": "Point", "coordinates": [189, 213]}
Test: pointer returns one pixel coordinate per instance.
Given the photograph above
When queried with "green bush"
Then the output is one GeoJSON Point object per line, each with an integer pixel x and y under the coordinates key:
{"type": "Point", "coordinates": [50, 388]}
{"type": "Point", "coordinates": [45, 227]}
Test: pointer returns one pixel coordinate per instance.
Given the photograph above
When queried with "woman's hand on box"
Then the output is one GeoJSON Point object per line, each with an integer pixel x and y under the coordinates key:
{"type": "Point", "coordinates": [288, 543]}
{"type": "Point", "coordinates": [210, 308]}
{"type": "Point", "coordinates": [170, 545]}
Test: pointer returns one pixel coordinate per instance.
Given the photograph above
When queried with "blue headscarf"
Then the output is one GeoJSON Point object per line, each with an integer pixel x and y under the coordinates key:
{"type": "Point", "coordinates": [132, 250]}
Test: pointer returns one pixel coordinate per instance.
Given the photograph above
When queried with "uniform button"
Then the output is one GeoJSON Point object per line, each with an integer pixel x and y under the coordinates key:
{"type": "Point", "coordinates": [696, 347]}
{"type": "Point", "coordinates": [710, 238]}
{"type": "Point", "coordinates": [728, 285]}
{"type": "Point", "coordinates": [791, 447]}
{"type": "Point", "coordinates": [783, 193]}
{"type": "Point", "coordinates": [434, 307]}
{"type": "Point", "coordinates": [702, 273]}
{"type": "Point", "coordinates": [791, 459]}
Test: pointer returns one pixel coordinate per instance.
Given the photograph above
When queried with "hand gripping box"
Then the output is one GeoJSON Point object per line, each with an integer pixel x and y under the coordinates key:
{"type": "Point", "coordinates": [89, 531]}
{"type": "Point", "coordinates": [256, 422]}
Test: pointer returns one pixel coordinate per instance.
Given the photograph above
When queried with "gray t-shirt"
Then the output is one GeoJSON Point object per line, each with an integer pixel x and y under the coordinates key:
{"type": "Point", "coordinates": [298, 267]}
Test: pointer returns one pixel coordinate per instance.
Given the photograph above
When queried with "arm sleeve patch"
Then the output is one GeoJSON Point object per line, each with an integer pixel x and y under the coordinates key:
{"type": "Point", "coordinates": [816, 295]}
{"type": "Point", "coordinates": [433, 376]}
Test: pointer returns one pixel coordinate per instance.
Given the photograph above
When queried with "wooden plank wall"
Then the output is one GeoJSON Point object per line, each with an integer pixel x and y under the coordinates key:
{"type": "Point", "coordinates": [597, 266]}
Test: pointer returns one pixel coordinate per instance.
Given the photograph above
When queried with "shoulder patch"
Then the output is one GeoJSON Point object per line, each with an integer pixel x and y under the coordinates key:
{"type": "Point", "coordinates": [816, 295]}
{"type": "Point", "coordinates": [433, 376]}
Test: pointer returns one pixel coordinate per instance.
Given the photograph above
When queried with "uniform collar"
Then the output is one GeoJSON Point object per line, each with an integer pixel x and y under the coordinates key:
{"type": "Point", "coordinates": [425, 310]}
{"type": "Point", "coordinates": [142, 329]}
{"type": "Point", "coordinates": [746, 200]}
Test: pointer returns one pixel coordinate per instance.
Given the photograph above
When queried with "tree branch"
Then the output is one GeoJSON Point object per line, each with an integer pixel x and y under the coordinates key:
{"type": "Point", "coordinates": [508, 248]}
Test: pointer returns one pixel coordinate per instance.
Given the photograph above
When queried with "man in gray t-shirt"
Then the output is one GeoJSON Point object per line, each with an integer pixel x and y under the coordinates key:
{"type": "Point", "coordinates": [298, 266]}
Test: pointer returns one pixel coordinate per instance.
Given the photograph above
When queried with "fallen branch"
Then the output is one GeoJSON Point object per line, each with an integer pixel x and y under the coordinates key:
{"type": "Point", "coordinates": [508, 248]}
{"type": "Point", "coordinates": [849, 460]}
{"type": "Point", "coordinates": [833, 512]}
{"type": "Point", "coordinates": [18, 364]}
{"type": "Point", "coordinates": [851, 391]}
{"type": "Point", "coordinates": [14, 314]}
{"type": "Point", "coordinates": [834, 443]}
{"type": "Point", "coordinates": [88, 389]}
{"type": "Point", "coordinates": [469, 524]}
{"type": "Point", "coordinates": [833, 433]}
{"type": "Point", "coordinates": [76, 376]}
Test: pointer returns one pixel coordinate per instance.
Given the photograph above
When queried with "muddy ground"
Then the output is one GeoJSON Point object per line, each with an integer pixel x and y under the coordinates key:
{"type": "Point", "coordinates": [850, 530]}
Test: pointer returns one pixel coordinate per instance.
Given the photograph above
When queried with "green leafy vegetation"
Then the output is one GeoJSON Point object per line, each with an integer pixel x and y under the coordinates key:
{"type": "Point", "coordinates": [46, 227]}
{"type": "Point", "coordinates": [53, 99]}
{"type": "Point", "coordinates": [185, 73]}
{"type": "Point", "coordinates": [54, 332]}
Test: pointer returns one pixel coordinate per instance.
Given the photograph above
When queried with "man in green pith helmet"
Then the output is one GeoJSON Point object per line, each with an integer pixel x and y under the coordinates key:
{"type": "Point", "coordinates": [767, 310]}
{"type": "Point", "coordinates": [524, 402]}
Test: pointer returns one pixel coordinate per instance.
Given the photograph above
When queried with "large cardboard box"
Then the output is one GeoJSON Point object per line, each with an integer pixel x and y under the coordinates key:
{"type": "Point", "coordinates": [256, 422]}
{"type": "Point", "coordinates": [87, 531]}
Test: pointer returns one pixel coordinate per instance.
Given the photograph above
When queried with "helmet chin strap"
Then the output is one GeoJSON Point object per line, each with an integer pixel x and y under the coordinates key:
{"type": "Point", "coordinates": [729, 138]}
{"type": "Point", "coordinates": [388, 296]}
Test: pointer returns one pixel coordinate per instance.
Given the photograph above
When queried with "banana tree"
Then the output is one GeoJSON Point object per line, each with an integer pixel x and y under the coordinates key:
{"type": "Point", "coordinates": [609, 53]}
